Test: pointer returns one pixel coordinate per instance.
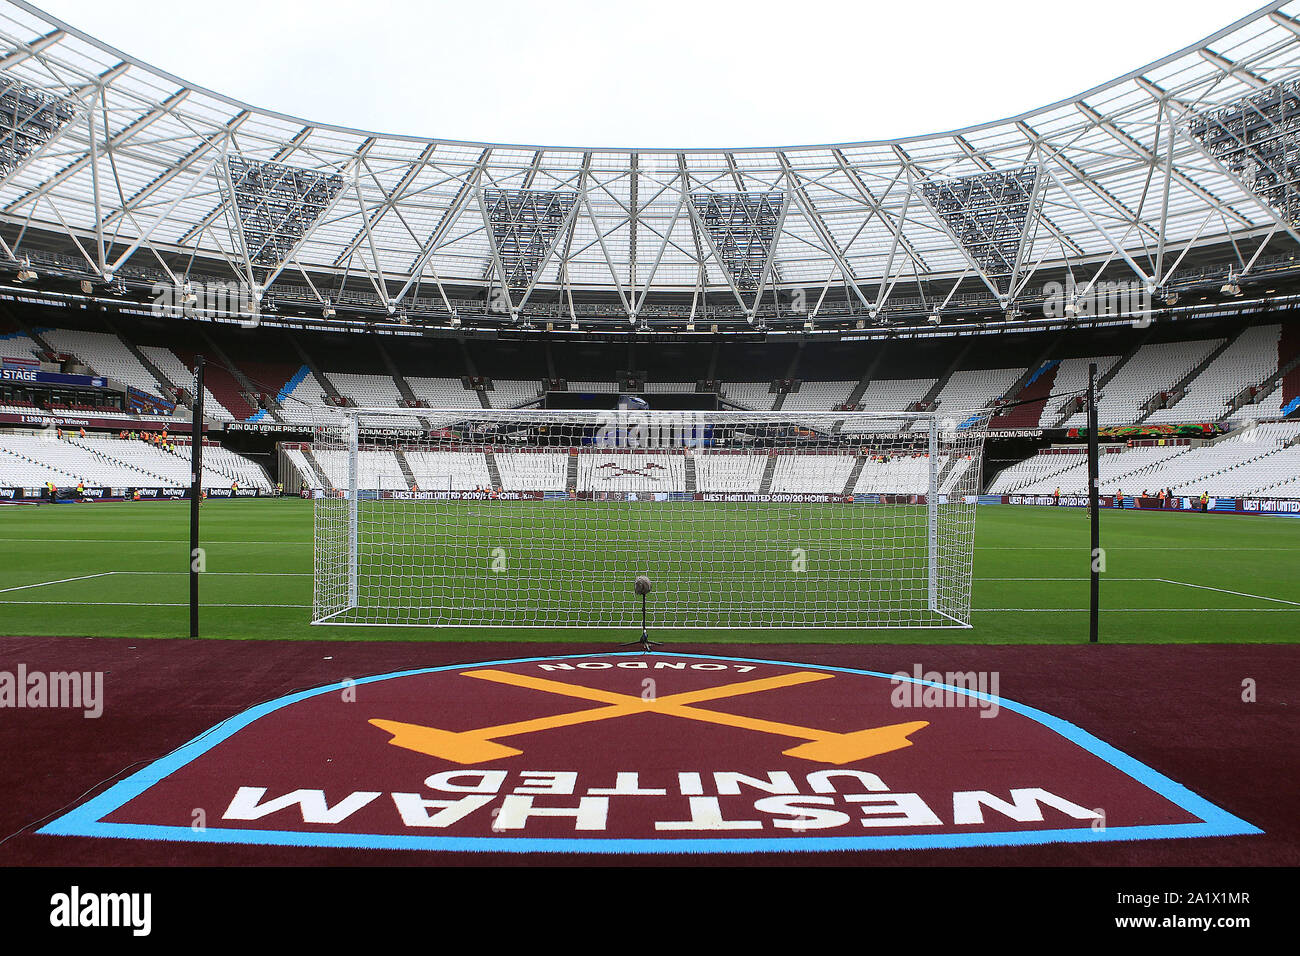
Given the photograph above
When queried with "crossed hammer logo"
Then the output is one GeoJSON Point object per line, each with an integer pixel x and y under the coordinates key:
{"type": "Point", "coordinates": [620, 472]}
{"type": "Point", "coordinates": [479, 746]}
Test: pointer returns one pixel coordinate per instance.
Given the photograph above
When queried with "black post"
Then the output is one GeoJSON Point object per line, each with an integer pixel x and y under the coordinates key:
{"type": "Point", "coordinates": [196, 491]}
{"type": "Point", "coordinates": [1094, 505]}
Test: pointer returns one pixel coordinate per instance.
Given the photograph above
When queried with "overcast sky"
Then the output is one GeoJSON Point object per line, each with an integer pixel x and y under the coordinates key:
{"type": "Point", "coordinates": [649, 72]}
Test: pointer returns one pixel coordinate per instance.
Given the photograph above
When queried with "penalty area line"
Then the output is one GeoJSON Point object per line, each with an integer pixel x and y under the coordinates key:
{"type": "Point", "coordinates": [1206, 587]}
{"type": "Point", "coordinates": [43, 584]}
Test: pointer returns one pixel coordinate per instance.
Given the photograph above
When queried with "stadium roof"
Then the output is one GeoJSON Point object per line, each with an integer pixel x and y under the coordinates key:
{"type": "Point", "coordinates": [130, 171]}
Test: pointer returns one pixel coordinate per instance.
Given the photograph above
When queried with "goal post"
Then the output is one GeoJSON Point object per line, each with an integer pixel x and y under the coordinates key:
{"type": "Point", "coordinates": [543, 518]}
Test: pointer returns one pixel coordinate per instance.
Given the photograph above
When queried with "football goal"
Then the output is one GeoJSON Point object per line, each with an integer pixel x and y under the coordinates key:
{"type": "Point", "coordinates": [529, 518]}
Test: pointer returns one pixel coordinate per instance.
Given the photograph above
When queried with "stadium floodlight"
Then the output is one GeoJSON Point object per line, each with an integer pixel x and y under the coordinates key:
{"type": "Point", "coordinates": [29, 118]}
{"type": "Point", "coordinates": [277, 205]}
{"type": "Point", "coordinates": [26, 273]}
{"type": "Point", "coordinates": [987, 214]}
{"type": "Point", "coordinates": [524, 224]}
{"type": "Point", "coordinates": [936, 317]}
{"type": "Point", "coordinates": [1257, 138]}
{"type": "Point", "coordinates": [742, 519]}
{"type": "Point", "coordinates": [1231, 287]}
{"type": "Point", "coordinates": [327, 310]}
{"type": "Point", "coordinates": [742, 227]}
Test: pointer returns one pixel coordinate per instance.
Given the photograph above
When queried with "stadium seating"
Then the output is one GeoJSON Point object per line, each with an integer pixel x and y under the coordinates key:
{"type": "Point", "coordinates": [1071, 380]}
{"type": "Point", "coordinates": [593, 386]}
{"type": "Point", "coordinates": [449, 470]}
{"type": "Point", "coordinates": [17, 345]}
{"type": "Point", "coordinates": [222, 384]}
{"type": "Point", "coordinates": [376, 391]}
{"type": "Point", "coordinates": [1248, 462]}
{"type": "Point", "coordinates": [896, 475]}
{"type": "Point", "coordinates": [757, 396]}
{"type": "Point", "coordinates": [372, 390]}
{"type": "Point", "coordinates": [442, 392]}
{"type": "Point", "coordinates": [181, 375]}
{"type": "Point", "coordinates": [818, 396]}
{"type": "Point", "coordinates": [375, 469]}
{"type": "Point", "coordinates": [299, 397]}
{"type": "Point", "coordinates": [305, 473]}
{"type": "Point", "coordinates": [975, 388]}
{"type": "Point", "coordinates": [1248, 361]}
{"type": "Point", "coordinates": [106, 355]}
{"type": "Point", "coordinates": [729, 473]}
{"type": "Point", "coordinates": [224, 462]}
{"type": "Point", "coordinates": [630, 471]}
{"type": "Point", "coordinates": [508, 393]}
{"type": "Point", "coordinates": [30, 460]}
{"type": "Point", "coordinates": [1153, 369]}
{"type": "Point", "coordinates": [24, 466]}
{"type": "Point", "coordinates": [891, 395]}
{"type": "Point", "coordinates": [532, 471]}
{"type": "Point", "coordinates": [305, 404]}
{"type": "Point", "coordinates": [819, 474]}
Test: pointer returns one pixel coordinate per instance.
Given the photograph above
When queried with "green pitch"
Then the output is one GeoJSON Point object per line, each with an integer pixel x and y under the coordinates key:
{"type": "Point", "coordinates": [571, 564]}
{"type": "Point", "coordinates": [121, 570]}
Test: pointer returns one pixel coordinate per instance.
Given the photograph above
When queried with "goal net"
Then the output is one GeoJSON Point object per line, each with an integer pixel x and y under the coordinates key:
{"type": "Point", "coordinates": [528, 518]}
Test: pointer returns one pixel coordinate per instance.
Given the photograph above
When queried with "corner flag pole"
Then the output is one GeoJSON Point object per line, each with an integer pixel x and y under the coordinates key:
{"type": "Point", "coordinates": [196, 491]}
{"type": "Point", "coordinates": [1094, 503]}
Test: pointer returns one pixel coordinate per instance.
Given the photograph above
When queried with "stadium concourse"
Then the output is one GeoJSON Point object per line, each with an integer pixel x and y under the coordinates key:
{"type": "Point", "coordinates": [328, 459]}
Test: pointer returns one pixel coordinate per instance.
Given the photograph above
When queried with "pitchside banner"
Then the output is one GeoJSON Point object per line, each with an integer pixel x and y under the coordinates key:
{"type": "Point", "coordinates": [146, 423]}
{"type": "Point", "coordinates": [64, 493]}
{"type": "Point", "coordinates": [27, 376]}
{"type": "Point", "coordinates": [647, 753]}
{"type": "Point", "coordinates": [370, 494]}
{"type": "Point", "coordinates": [1263, 506]}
